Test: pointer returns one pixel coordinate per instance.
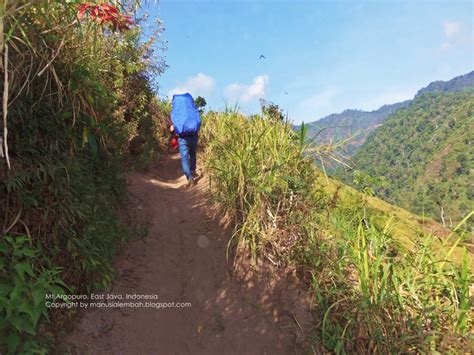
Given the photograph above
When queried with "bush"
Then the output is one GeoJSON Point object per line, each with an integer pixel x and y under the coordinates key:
{"type": "Point", "coordinates": [25, 279]}
{"type": "Point", "coordinates": [81, 107]}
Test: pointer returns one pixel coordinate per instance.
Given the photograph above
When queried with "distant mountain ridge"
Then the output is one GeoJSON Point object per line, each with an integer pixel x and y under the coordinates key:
{"type": "Point", "coordinates": [425, 151]}
{"type": "Point", "coordinates": [458, 83]}
{"type": "Point", "coordinates": [345, 124]}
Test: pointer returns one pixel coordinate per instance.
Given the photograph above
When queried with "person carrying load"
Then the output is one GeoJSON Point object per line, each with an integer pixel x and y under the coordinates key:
{"type": "Point", "coordinates": [185, 123]}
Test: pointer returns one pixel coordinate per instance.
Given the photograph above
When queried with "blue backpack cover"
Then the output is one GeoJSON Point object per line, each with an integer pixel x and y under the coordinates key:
{"type": "Point", "coordinates": [184, 115]}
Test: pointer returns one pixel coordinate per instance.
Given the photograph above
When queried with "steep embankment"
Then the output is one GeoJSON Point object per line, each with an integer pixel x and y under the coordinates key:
{"type": "Point", "coordinates": [425, 151]}
{"type": "Point", "coordinates": [184, 260]}
{"type": "Point", "coordinates": [78, 105]}
{"type": "Point", "coordinates": [380, 281]}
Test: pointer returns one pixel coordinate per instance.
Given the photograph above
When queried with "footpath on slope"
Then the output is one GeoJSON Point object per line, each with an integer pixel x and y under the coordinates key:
{"type": "Point", "coordinates": [183, 259]}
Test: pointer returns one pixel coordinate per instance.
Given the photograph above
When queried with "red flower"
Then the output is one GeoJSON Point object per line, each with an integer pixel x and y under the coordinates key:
{"type": "Point", "coordinates": [105, 13]}
{"type": "Point", "coordinates": [82, 9]}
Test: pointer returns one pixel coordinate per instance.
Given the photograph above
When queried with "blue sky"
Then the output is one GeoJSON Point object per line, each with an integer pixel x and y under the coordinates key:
{"type": "Point", "coordinates": [321, 56]}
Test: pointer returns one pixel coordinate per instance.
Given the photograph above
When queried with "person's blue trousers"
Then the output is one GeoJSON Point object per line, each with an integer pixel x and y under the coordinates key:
{"type": "Point", "coordinates": [187, 150]}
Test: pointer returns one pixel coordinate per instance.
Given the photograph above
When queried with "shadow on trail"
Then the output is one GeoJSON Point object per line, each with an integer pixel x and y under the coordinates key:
{"type": "Point", "coordinates": [183, 260]}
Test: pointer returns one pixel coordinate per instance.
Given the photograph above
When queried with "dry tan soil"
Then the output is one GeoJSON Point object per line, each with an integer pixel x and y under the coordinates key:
{"type": "Point", "coordinates": [233, 309]}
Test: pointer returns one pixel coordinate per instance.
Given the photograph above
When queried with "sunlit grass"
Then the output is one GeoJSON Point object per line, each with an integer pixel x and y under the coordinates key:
{"type": "Point", "coordinates": [382, 285]}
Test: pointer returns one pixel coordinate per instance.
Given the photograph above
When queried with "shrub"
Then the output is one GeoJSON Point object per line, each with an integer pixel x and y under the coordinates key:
{"type": "Point", "coordinates": [81, 107]}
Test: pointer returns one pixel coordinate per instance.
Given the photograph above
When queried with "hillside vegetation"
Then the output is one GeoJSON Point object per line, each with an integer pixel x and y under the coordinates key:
{"type": "Point", "coordinates": [425, 151]}
{"type": "Point", "coordinates": [358, 124]}
{"type": "Point", "coordinates": [380, 284]}
{"type": "Point", "coordinates": [79, 108]}
{"type": "Point", "coordinates": [79, 112]}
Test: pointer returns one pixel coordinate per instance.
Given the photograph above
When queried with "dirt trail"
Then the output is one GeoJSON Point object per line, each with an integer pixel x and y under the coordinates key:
{"type": "Point", "coordinates": [183, 260]}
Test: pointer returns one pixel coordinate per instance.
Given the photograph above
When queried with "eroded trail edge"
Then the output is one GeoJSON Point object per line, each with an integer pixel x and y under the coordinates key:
{"type": "Point", "coordinates": [233, 311]}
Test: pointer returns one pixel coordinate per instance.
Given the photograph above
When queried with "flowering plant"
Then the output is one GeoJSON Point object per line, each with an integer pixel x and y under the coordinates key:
{"type": "Point", "coordinates": [105, 13]}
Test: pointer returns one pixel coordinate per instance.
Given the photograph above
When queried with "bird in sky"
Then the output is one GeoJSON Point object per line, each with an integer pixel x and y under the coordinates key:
{"type": "Point", "coordinates": [262, 57]}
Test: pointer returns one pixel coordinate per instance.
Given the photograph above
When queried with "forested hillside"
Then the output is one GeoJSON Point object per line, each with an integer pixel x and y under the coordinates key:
{"type": "Point", "coordinates": [426, 153]}
{"type": "Point", "coordinates": [342, 125]}
{"type": "Point", "coordinates": [338, 126]}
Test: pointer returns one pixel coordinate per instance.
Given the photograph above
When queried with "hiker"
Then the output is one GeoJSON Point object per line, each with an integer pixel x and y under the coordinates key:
{"type": "Point", "coordinates": [185, 123]}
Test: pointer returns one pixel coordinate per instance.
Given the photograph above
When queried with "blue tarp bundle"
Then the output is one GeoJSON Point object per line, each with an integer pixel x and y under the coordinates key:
{"type": "Point", "coordinates": [184, 114]}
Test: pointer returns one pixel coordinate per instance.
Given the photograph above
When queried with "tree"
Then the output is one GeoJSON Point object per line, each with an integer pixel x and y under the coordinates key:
{"type": "Point", "coordinates": [200, 103]}
{"type": "Point", "coordinates": [272, 111]}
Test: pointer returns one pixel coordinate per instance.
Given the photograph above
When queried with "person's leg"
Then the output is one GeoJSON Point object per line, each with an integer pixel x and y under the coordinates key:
{"type": "Point", "coordinates": [184, 152]}
{"type": "Point", "coordinates": [192, 153]}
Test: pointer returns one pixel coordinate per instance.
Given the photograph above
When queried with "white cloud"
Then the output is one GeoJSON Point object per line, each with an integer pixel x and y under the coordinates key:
{"type": "Point", "coordinates": [199, 85]}
{"type": "Point", "coordinates": [454, 34]}
{"type": "Point", "coordinates": [247, 93]}
{"type": "Point", "coordinates": [451, 28]}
